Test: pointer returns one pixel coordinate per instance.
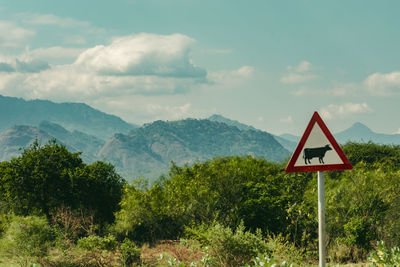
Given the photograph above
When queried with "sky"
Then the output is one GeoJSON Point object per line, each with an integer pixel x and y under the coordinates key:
{"type": "Point", "coordinates": [269, 64]}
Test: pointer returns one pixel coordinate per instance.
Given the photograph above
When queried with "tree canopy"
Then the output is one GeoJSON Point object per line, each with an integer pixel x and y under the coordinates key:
{"type": "Point", "coordinates": [45, 178]}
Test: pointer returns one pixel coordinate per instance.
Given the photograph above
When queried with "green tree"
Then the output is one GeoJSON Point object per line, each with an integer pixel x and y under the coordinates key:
{"type": "Point", "coordinates": [46, 178]}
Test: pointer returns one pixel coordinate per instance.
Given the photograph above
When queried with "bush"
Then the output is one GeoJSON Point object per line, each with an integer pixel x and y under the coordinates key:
{"type": "Point", "coordinates": [27, 237]}
{"type": "Point", "coordinates": [283, 250]}
{"type": "Point", "coordinates": [130, 254]}
{"type": "Point", "coordinates": [94, 242]}
{"type": "Point", "coordinates": [230, 248]}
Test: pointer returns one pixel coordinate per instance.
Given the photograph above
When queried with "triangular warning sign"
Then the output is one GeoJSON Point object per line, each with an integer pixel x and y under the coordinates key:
{"type": "Point", "coordinates": [317, 150]}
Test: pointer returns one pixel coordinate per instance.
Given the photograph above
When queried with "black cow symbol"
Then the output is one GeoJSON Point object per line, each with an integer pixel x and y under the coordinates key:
{"type": "Point", "coordinates": [318, 152]}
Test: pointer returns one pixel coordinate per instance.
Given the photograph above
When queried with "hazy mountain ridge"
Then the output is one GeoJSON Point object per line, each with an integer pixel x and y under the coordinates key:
{"type": "Point", "coordinates": [153, 146]}
{"type": "Point", "coordinates": [72, 116]}
{"type": "Point", "coordinates": [22, 136]}
{"type": "Point", "coordinates": [359, 133]}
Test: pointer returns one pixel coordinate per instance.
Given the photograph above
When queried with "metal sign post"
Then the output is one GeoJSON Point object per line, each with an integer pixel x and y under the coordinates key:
{"type": "Point", "coordinates": [318, 151]}
{"type": "Point", "coordinates": [321, 219]}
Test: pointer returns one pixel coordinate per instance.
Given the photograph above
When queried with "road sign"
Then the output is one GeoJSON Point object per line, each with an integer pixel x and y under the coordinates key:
{"type": "Point", "coordinates": [317, 150]}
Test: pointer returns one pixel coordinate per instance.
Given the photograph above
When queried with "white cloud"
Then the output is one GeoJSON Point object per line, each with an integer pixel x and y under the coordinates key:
{"type": "Point", "coordinates": [67, 83]}
{"type": "Point", "coordinates": [304, 66]}
{"type": "Point", "coordinates": [383, 84]}
{"type": "Point", "coordinates": [299, 74]}
{"type": "Point", "coordinates": [12, 35]}
{"type": "Point", "coordinates": [143, 54]}
{"type": "Point", "coordinates": [287, 119]}
{"type": "Point", "coordinates": [398, 131]}
{"type": "Point", "coordinates": [144, 64]}
{"type": "Point", "coordinates": [231, 77]}
{"type": "Point", "coordinates": [339, 111]}
{"type": "Point", "coordinates": [55, 52]}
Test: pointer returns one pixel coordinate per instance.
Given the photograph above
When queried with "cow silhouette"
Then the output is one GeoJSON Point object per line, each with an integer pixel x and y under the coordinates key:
{"type": "Point", "coordinates": [317, 152]}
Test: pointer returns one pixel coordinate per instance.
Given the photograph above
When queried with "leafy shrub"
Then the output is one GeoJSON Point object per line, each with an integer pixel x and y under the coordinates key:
{"type": "Point", "coordinates": [236, 248]}
{"type": "Point", "coordinates": [27, 237]}
{"type": "Point", "coordinates": [384, 256]}
{"type": "Point", "coordinates": [283, 250]}
{"type": "Point", "coordinates": [94, 242]}
{"type": "Point", "coordinates": [130, 254]}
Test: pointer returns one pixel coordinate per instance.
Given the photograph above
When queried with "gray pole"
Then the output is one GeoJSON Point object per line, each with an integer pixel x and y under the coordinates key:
{"type": "Point", "coordinates": [321, 219]}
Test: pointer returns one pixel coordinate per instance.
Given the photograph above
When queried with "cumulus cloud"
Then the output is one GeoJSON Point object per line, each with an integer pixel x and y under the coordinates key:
{"type": "Point", "coordinates": [144, 64]}
{"type": "Point", "coordinates": [304, 66]}
{"type": "Point", "coordinates": [299, 74]}
{"type": "Point", "coordinates": [233, 77]}
{"type": "Point", "coordinates": [56, 52]}
{"type": "Point", "coordinates": [336, 111]}
{"type": "Point", "coordinates": [383, 84]}
{"type": "Point", "coordinates": [143, 54]}
{"type": "Point", "coordinates": [12, 35]}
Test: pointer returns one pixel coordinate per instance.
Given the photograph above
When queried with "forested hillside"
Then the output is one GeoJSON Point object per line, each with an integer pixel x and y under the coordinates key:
{"type": "Point", "coordinates": [150, 149]}
{"type": "Point", "coordinates": [56, 210]}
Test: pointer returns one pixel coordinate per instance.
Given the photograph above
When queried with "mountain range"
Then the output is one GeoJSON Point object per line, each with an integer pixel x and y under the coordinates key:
{"type": "Point", "coordinates": [72, 116]}
{"type": "Point", "coordinates": [149, 149]}
{"type": "Point", "coordinates": [359, 133]}
{"type": "Point", "coordinates": [152, 147]}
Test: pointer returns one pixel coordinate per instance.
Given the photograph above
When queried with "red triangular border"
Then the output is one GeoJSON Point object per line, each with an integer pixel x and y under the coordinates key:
{"type": "Point", "coordinates": [346, 165]}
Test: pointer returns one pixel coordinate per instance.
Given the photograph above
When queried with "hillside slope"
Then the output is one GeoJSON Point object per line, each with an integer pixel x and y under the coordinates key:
{"type": "Point", "coordinates": [149, 150]}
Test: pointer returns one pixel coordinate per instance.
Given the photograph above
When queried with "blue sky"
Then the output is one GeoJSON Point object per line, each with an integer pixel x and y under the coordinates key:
{"type": "Point", "coordinates": [265, 63]}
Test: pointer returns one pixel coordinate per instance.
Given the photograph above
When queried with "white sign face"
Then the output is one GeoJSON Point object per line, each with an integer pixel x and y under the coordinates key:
{"type": "Point", "coordinates": [317, 150]}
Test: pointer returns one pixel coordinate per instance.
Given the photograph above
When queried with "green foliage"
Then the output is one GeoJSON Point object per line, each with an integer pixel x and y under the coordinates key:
{"type": "Point", "coordinates": [371, 153]}
{"type": "Point", "coordinates": [46, 178]}
{"type": "Point", "coordinates": [384, 256]}
{"type": "Point", "coordinates": [94, 242]}
{"type": "Point", "coordinates": [225, 190]}
{"type": "Point", "coordinates": [130, 254]}
{"type": "Point", "coordinates": [27, 237]}
{"type": "Point", "coordinates": [358, 204]}
{"type": "Point", "coordinates": [283, 250]}
{"type": "Point", "coordinates": [143, 216]}
{"type": "Point", "coordinates": [234, 248]}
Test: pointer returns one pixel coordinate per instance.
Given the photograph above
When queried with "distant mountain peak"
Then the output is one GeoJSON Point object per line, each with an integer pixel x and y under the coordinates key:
{"type": "Point", "coordinates": [358, 127]}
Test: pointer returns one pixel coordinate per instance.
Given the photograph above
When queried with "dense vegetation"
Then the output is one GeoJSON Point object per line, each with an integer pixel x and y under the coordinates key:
{"type": "Point", "coordinates": [231, 211]}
